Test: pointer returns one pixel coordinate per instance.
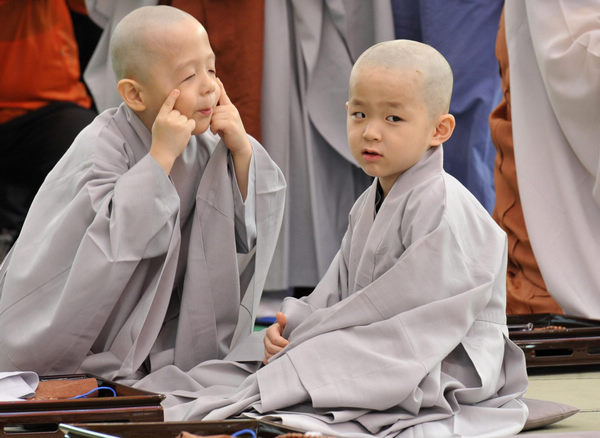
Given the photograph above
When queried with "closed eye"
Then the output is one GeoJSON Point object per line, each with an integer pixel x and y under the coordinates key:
{"type": "Point", "coordinates": [189, 77]}
{"type": "Point", "coordinates": [393, 119]}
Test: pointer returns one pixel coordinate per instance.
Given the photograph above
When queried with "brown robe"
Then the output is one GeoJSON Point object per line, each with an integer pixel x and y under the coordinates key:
{"type": "Point", "coordinates": [525, 287]}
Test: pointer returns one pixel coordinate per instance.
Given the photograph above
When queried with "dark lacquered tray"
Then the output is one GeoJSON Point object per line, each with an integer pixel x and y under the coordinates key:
{"type": "Point", "coordinates": [552, 340]}
{"type": "Point", "coordinates": [40, 418]}
{"type": "Point", "coordinates": [262, 429]}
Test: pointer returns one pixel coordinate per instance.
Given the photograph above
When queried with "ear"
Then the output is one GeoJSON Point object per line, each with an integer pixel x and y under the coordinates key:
{"type": "Point", "coordinates": [347, 105]}
{"type": "Point", "coordinates": [443, 129]}
{"type": "Point", "coordinates": [130, 91]}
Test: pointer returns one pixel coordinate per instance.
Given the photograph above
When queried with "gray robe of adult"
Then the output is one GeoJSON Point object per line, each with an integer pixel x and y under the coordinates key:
{"type": "Point", "coordinates": [404, 336]}
{"type": "Point", "coordinates": [309, 49]}
{"type": "Point", "coordinates": [121, 270]}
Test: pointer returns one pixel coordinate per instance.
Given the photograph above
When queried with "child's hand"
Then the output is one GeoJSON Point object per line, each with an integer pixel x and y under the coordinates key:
{"type": "Point", "coordinates": [171, 132]}
{"type": "Point", "coordinates": [274, 342]}
{"type": "Point", "coordinates": [226, 122]}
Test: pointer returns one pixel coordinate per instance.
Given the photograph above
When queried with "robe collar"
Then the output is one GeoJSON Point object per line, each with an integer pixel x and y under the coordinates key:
{"type": "Point", "coordinates": [371, 229]}
{"type": "Point", "coordinates": [138, 126]}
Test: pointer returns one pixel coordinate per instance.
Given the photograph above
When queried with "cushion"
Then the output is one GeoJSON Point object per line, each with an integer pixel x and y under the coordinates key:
{"type": "Point", "coordinates": [544, 412]}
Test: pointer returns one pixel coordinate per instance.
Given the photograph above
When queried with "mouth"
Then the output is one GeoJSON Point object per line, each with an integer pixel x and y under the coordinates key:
{"type": "Point", "coordinates": [205, 111]}
{"type": "Point", "coordinates": [371, 154]}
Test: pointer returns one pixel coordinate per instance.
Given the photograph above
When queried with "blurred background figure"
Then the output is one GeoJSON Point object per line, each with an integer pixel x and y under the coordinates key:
{"type": "Point", "coordinates": [465, 33]}
{"type": "Point", "coordinates": [525, 288]}
{"type": "Point", "coordinates": [43, 102]}
{"type": "Point", "coordinates": [554, 64]}
{"type": "Point", "coordinates": [309, 50]}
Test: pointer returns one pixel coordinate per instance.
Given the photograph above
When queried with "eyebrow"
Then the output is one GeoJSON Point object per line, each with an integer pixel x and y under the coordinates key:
{"type": "Point", "coordinates": [390, 103]}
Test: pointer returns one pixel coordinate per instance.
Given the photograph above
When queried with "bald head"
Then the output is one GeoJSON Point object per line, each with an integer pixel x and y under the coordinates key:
{"type": "Point", "coordinates": [140, 37]}
{"type": "Point", "coordinates": [407, 55]}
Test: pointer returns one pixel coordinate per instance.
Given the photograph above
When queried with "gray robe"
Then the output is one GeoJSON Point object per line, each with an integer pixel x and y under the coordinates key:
{"type": "Point", "coordinates": [404, 336]}
{"type": "Point", "coordinates": [309, 50]}
{"type": "Point", "coordinates": [121, 270]}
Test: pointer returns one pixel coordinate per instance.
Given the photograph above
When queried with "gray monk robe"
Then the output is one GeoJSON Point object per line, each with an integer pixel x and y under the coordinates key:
{"type": "Point", "coordinates": [405, 334]}
{"type": "Point", "coordinates": [121, 270]}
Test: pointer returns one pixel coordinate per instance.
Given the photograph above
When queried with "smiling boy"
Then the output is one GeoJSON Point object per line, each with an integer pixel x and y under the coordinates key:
{"type": "Point", "coordinates": [127, 262]}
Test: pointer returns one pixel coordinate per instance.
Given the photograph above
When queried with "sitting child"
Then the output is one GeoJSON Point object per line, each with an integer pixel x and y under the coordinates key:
{"type": "Point", "coordinates": [127, 261]}
{"type": "Point", "coordinates": [406, 333]}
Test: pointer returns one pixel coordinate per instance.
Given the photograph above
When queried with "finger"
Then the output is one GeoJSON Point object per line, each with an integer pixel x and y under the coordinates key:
{"type": "Point", "coordinates": [281, 320]}
{"type": "Point", "coordinates": [190, 124]}
{"type": "Point", "coordinates": [266, 359]}
{"type": "Point", "coordinates": [223, 99]}
{"type": "Point", "coordinates": [169, 102]}
{"type": "Point", "coordinates": [272, 349]}
{"type": "Point", "coordinates": [279, 342]}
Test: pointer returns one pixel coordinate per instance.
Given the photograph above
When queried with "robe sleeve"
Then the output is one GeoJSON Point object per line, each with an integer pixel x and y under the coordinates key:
{"type": "Point", "coordinates": [245, 222]}
{"type": "Point", "coordinates": [397, 329]}
{"type": "Point", "coordinates": [78, 252]}
{"type": "Point", "coordinates": [566, 39]}
{"type": "Point", "coordinates": [329, 291]}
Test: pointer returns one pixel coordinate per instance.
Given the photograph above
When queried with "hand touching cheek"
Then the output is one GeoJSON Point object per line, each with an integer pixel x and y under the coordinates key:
{"type": "Point", "coordinates": [226, 122]}
{"type": "Point", "coordinates": [171, 133]}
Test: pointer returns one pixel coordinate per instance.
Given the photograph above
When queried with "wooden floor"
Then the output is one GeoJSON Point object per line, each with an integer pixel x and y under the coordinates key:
{"type": "Point", "coordinates": [579, 387]}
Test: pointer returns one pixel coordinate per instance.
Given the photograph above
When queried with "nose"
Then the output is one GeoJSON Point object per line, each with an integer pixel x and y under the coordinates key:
{"type": "Point", "coordinates": [372, 132]}
{"type": "Point", "coordinates": [208, 84]}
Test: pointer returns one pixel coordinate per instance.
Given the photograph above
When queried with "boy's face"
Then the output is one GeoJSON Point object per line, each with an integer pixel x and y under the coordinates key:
{"type": "Point", "coordinates": [389, 126]}
{"type": "Point", "coordinates": [186, 62]}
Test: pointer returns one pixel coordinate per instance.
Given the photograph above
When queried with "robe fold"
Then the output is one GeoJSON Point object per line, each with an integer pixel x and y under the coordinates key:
{"type": "Point", "coordinates": [525, 288]}
{"type": "Point", "coordinates": [121, 270]}
{"type": "Point", "coordinates": [309, 50]}
{"type": "Point", "coordinates": [405, 335]}
{"type": "Point", "coordinates": [553, 51]}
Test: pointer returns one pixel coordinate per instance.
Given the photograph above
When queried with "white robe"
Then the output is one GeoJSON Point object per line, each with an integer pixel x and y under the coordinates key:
{"type": "Point", "coordinates": [404, 336]}
{"type": "Point", "coordinates": [554, 58]}
{"type": "Point", "coordinates": [118, 262]}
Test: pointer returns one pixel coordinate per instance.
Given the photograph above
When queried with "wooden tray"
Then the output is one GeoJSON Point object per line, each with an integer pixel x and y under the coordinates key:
{"type": "Point", "coordinates": [262, 428]}
{"type": "Point", "coordinates": [40, 418]}
{"type": "Point", "coordinates": [552, 340]}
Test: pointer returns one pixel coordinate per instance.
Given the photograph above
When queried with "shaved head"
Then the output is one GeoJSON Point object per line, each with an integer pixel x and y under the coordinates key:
{"type": "Point", "coordinates": [139, 39]}
{"type": "Point", "coordinates": [420, 58]}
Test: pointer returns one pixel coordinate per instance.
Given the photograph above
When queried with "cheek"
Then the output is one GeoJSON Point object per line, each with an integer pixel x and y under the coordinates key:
{"type": "Point", "coordinates": [185, 104]}
{"type": "Point", "coordinates": [217, 93]}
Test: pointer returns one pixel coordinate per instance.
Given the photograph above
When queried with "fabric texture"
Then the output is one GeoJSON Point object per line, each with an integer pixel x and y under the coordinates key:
{"type": "Point", "coordinates": [37, 36]}
{"type": "Point", "coordinates": [553, 51]}
{"type": "Point", "coordinates": [544, 412]}
{"type": "Point", "coordinates": [404, 336]}
{"type": "Point", "coordinates": [309, 50]}
{"type": "Point", "coordinates": [464, 32]}
{"type": "Point", "coordinates": [525, 288]}
{"type": "Point", "coordinates": [125, 269]}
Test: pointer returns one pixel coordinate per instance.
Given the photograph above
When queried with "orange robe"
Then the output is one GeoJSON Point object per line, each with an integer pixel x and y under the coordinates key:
{"type": "Point", "coordinates": [40, 59]}
{"type": "Point", "coordinates": [525, 287]}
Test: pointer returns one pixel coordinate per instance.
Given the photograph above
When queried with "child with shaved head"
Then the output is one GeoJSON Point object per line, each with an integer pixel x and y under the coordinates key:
{"type": "Point", "coordinates": [406, 334]}
{"type": "Point", "coordinates": [128, 260]}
